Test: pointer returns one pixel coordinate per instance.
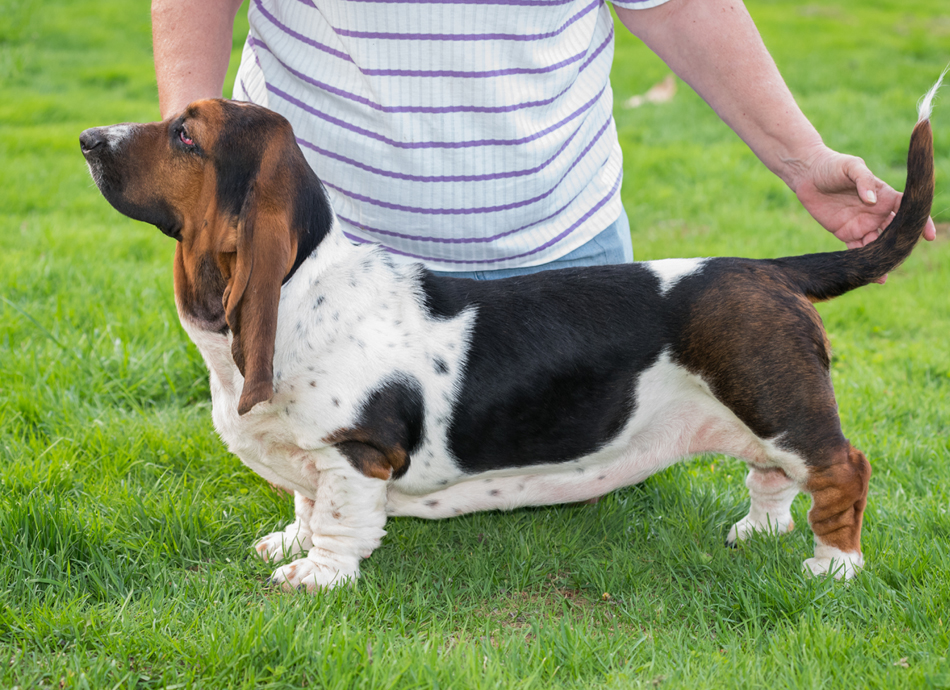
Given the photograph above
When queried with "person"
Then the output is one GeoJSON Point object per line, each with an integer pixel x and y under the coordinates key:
{"type": "Point", "coordinates": [477, 136]}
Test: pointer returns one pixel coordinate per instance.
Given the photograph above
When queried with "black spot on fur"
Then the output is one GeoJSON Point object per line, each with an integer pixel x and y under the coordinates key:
{"type": "Point", "coordinates": [440, 366]}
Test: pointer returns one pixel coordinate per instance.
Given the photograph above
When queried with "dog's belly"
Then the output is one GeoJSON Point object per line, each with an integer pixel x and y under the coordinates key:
{"type": "Point", "coordinates": [588, 478]}
{"type": "Point", "coordinates": [676, 417]}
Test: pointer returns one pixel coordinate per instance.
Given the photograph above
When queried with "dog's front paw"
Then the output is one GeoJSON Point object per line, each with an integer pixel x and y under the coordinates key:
{"type": "Point", "coordinates": [843, 565]}
{"type": "Point", "coordinates": [747, 526]}
{"type": "Point", "coordinates": [305, 573]}
{"type": "Point", "coordinates": [278, 545]}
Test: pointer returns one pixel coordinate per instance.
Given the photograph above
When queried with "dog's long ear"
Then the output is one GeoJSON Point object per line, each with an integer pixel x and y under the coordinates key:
{"type": "Point", "coordinates": [265, 250]}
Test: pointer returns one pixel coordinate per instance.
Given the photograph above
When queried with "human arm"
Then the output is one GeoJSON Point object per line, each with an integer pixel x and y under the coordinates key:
{"type": "Point", "coordinates": [192, 44]}
{"type": "Point", "coordinates": [714, 46]}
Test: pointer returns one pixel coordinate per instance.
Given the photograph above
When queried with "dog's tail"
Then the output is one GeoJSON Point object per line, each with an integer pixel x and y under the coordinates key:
{"type": "Point", "coordinates": [825, 276]}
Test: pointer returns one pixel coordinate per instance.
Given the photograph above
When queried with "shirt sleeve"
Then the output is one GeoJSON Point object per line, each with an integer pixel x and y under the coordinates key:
{"type": "Point", "coordinates": [637, 4]}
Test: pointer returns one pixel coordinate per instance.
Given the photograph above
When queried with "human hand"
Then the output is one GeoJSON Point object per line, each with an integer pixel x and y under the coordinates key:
{"type": "Point", "coordinates": [842, 194]}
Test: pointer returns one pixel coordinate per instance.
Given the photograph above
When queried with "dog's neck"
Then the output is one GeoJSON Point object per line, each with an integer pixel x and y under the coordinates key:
{"type": "Point", "coordinates": [313, 220]}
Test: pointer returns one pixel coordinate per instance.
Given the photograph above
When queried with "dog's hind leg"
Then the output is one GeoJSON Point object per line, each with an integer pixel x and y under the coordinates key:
{"type": "Point", "coordinates": [772, 492]}
{"type": "Point", "coordinates": [839, 492]}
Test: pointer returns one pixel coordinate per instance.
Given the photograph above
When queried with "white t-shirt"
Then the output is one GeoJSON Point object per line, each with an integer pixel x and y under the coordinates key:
{"type": "Point", "coordinates": [470, 134]}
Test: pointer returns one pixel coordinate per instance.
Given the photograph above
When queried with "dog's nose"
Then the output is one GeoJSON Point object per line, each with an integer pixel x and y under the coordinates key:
{"type": "Point", "coordinates": [91, 139]}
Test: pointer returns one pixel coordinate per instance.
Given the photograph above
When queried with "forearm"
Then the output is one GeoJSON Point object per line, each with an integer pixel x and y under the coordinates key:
{"type": "Point", "coordinates": [714, 46]}
{"type": "Point", "coordinates": [192, 44]}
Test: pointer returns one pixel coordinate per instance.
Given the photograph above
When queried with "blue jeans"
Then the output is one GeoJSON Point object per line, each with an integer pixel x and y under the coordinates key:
{"type": "Point", "coordinates": [612, 246]}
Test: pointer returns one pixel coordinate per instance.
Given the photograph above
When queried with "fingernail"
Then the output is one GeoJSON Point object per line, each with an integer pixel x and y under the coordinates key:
{"type": "Point", "coordinates": [872, 197]}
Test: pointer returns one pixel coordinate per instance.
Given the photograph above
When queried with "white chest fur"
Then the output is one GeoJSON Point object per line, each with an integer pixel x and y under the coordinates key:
{"type": "Point", "coordinates": [348, 322]}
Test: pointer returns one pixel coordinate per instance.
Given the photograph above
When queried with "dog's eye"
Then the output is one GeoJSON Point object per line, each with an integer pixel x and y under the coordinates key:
{"type": "Point", "coordinates": [185, 139]}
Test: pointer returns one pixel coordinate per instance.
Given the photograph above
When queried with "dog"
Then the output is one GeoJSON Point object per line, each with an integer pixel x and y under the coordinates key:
{"type": "Point", "coordinates": [372, 389]}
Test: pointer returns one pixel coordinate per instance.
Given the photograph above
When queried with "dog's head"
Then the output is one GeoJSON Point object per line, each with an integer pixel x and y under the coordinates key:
{"type": "Point", "coordinates": [229, 183]}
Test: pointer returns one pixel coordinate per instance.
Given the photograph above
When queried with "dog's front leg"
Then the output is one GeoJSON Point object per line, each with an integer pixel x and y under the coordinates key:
{"type": "Point", "coordinates": [346, 524]}
{"type": "Point", "coordinates": [294, 538]}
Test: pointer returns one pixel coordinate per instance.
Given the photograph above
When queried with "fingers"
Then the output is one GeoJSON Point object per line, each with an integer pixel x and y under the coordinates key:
{"type": "Point", "coordinates": [867, 184]}
{"type": "Point", "coordinates": [863, 240]}
{"type": "Point", "coordinates": [887, 222]}
{"type": "Point", "coordinates": [930, 230]}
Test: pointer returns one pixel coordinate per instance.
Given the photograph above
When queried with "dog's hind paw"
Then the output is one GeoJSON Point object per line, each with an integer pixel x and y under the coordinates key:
{"type": "Point", "coordinates": [842, 565]}
{"type": "Point", "coordinates": [746, 527]}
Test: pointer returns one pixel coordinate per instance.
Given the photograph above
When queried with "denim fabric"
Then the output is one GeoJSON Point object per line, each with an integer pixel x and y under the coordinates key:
{"type": "Point", "coordinates": [612, 246]}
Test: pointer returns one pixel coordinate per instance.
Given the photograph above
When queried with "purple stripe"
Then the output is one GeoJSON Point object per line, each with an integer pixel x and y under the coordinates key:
{"type": "Point", "coordinates": [468, 37]}
{"type": "Point", "coordinates": [474, 75]}
{"type": "Point", "coordinates": [431, 144]}
{"type": "Point", "coordinates": [299, 36]}
{"type": "Point", "coordinates": [463, 240]}
{"type": "Point", "coordinates": [417, 73]}
{"type": "Point", "coordinates": [257, 43]}
{"type": "Point", "coordinates": [600, 204]}
{"type": "Point", "coordinates": [598, 50]}
{"type": "Point", "coordinates": [516, 3]}
{"type": "Point", "coordinates": [483, 209]}
{"type": "Point", "coordinates": [257, 59]}
{"type": "Point", "coordinates": [435, 178]}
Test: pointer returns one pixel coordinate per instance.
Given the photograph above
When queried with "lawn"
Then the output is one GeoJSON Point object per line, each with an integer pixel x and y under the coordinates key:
{"type": "Point", "coordinates": [125, 525]}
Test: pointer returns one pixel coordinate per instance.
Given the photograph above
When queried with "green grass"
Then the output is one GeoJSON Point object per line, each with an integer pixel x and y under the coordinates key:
{"type": "Point", "coordinates": [125, 525]}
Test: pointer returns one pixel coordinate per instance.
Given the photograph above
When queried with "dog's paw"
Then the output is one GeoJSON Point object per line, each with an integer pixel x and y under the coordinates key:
{"type": "Point", "coordinates": [843, 565]}
{"type": "Point", "coordinates": [746, 527]}
{"type": "Point", "coordinates": [307, 574]}
{"type": "Point", "coordinates": [276, 546]}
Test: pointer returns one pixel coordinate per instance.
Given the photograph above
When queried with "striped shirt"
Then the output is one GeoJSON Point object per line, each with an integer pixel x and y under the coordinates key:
{"type": "Point", "coordinates": [469, 134]}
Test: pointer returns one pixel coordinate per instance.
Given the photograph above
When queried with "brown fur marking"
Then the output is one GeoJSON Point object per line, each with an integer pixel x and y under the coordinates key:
{"type": "Point", "coordinates": [839, 496]}
{"type": "Point", "coordinates": [761, 347]}
{"type": "Point", "coordinates": [362, 451]}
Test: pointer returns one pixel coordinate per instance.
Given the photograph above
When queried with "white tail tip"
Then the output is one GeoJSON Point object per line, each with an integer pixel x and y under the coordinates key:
{"type": "Point", "coordinates": [925, 105]}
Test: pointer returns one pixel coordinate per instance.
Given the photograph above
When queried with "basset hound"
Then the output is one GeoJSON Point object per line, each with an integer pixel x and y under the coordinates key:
{"type": "Point", "coordinates": [372, 389]}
